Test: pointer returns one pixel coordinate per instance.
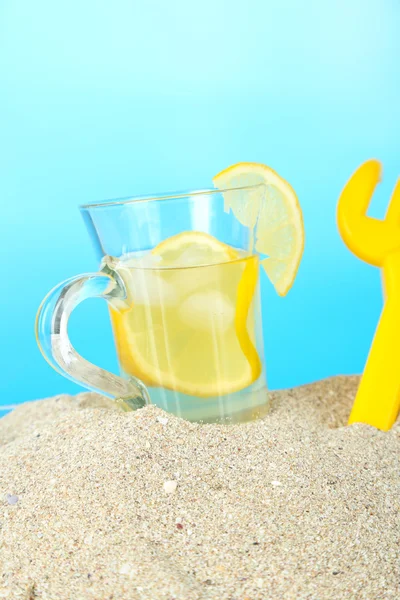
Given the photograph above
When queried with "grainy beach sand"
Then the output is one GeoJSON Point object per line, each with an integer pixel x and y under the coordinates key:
{"type": "Point", "coordinates": [99, 504]}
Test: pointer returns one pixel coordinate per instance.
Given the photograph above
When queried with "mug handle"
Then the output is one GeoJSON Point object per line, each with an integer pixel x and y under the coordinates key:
{"type": "Point", "coordinates": [52, 337]}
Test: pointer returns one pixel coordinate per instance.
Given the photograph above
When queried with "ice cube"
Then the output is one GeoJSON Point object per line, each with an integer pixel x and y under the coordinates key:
{"type": "Point", "coordinates": [145, 260]}
{"type": "Point", "coordinates": [150, 288]}
{"type": "Point", "coordinates": [139, 260]}
{"type": "Point", "coordinates": [144, 281]}
{"type": "Point", "coordinates": [208, 310]}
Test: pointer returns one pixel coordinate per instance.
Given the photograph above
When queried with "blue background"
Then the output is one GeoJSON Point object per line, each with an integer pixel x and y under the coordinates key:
{"type": "Point", "coordinates": [103, 99]}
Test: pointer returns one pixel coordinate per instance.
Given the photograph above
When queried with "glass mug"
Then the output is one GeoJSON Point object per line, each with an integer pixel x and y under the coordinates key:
{"type": "Point", "coordinates": [181, 278]}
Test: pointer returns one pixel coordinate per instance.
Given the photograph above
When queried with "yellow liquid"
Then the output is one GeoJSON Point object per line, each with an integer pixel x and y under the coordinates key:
{"type": "Point", "coordinates": [193, 335]}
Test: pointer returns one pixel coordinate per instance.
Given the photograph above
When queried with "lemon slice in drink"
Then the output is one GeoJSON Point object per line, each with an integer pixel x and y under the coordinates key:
{"type": "Point", "coordinates": [187, 327]}
{"type": "Point", "coordinates": [193, 248]}
{"type": "Point", "coordinates": [277, 218]}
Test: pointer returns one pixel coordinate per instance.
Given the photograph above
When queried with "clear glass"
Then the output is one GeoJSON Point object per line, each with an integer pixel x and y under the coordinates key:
{"type": "Point", "coordinates": [187, 330]}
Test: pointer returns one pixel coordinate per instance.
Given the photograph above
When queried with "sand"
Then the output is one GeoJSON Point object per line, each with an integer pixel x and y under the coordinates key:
{"type": "Point", "coordinates": [99, 504]}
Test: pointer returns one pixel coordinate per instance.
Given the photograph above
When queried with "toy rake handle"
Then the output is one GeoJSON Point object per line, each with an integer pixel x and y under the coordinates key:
{"type": "Point", "coordinates": [378, 397]}
{"type": "Point", "coordinates": [377, 242]}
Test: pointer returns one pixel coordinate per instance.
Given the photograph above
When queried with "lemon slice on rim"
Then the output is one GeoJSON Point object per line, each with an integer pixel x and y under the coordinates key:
{"type": "Point", "coordinates": [276, 217]}
{"type": "Point", "coordinates": [189, 329]}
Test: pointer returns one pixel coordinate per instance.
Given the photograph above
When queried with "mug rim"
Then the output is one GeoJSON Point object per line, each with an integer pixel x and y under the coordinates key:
{"type": "Point", "coordinates": [167, 196]}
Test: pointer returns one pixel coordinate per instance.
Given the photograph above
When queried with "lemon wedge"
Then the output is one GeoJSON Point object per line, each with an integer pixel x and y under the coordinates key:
{"type": "Point", "coordinates": [192, 330]}
{"type": "Point", "coordinates": [276, 217]}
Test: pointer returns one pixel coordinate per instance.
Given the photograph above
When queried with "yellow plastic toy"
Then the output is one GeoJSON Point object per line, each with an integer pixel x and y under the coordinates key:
{"type": "Point", "coordinates": [377, 242]}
